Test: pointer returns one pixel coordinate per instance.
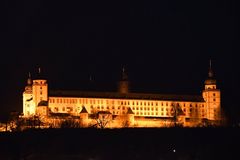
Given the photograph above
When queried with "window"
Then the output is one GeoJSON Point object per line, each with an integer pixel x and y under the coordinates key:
{"type": "Point", "coordinates": [214, 99]}
{"type": "Point", "coordinates": [214, 94]}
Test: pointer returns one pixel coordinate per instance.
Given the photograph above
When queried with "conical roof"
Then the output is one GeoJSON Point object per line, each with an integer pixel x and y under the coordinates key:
{"type": "Point", "coordinates": [129, 111]}
{"type": "Point", "coordinates": [83, 110]}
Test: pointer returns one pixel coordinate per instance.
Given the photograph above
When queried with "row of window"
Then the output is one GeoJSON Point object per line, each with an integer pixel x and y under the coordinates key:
{"type": "Point", "coordinates": [165, 112]}
{"type": "Point", "coordinates": [134, 103]}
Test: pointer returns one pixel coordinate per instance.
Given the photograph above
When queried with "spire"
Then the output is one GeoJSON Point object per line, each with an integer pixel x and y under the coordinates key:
{"type": "Point", "coordinates": [39, 70]}
{"type": "Point", "coordinates": [124, 74]}
{"type": "Point", "coordinates": [123, 85]}
{"type": "Point", "coordinates": [210, 72]}
{"type": "Point", "coordinates": [29, 81]}
{"type": "Point", "coordinates": [40, 74]}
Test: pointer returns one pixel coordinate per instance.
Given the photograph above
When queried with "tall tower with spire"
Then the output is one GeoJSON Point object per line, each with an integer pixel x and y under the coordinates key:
{"type": "Point", "coordinates": [123, 86]}
{"type": "Point", "coordinates": [212, 96]}
{"type": "Point", "coordinates": [28, 98]}
{"type": "Point", "coordinates": [35, 94]}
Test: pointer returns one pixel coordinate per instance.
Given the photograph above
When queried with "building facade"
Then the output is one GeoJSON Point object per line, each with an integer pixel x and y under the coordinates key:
{"type": "Point", "coordinates": [122, 108]}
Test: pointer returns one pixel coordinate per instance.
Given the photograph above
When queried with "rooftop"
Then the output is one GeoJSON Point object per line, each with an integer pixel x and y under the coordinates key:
{"type": "Point", "coordinates": [116, 95]}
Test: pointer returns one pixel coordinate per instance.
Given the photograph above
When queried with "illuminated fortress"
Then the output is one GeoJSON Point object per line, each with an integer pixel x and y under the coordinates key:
{"type": "Point", "coordinates": [122, 108]}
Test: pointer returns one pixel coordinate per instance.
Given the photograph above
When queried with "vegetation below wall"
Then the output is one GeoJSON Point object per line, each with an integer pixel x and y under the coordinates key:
{"type": "Point", "coordinates": [151, 143]}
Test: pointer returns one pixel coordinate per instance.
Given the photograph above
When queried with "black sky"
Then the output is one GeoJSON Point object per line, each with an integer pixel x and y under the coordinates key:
{"type": "Point", "coordinates": [164, 45]}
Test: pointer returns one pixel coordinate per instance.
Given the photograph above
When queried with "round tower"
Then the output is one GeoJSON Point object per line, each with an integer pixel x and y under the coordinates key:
{"type": "Point", "coordinates": [28, 98]}
{"type": "Point", "coordinates": [130, 117]}
{"type": "Point", "coordinates": [84, 117]}
{"type": "Point", "coordinates": [123, 86]}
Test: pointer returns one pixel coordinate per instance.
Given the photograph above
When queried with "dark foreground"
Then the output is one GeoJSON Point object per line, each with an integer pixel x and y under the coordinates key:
{"type": "Point", "coordinates": [134, 144]}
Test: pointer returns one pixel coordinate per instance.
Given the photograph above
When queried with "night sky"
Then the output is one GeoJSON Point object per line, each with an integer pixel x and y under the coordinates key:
{"type": "Point", "coordinates": [164, 45]}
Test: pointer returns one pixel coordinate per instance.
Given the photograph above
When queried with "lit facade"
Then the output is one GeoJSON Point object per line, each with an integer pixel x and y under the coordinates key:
{"type": "Point", "coordinates": [122, 108]}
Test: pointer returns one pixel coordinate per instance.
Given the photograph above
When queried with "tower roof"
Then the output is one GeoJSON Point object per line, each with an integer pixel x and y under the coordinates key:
{"type": "Point", "coordinates": [210, 72]}
{"type": "Point", "coordinates": [83, 110]}
{"type": "Point", "coordinates": [124, 75]}
{"type": "Point", "coordinates": [43, 103]}
{"type": "Point", "coordinates": [129, 111]}
{"type": "Point", "coordinates": [210, 80]}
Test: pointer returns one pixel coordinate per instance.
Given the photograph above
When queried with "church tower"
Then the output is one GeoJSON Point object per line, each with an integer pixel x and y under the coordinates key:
{"type": "Point", "coordinates": [212, 97]}
{"type": "Point", "coordinates": [28, 109]}
{"type": "Point", "coordinates": [40, 91]}
{"type": "Point", "coordinates": [123, 86]}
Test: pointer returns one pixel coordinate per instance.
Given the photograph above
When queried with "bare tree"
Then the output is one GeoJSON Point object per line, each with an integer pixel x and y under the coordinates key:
{"type": "Point", "coordinates": [102, 118]}
{"type": "Point", "coordinates": [176, 112]}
